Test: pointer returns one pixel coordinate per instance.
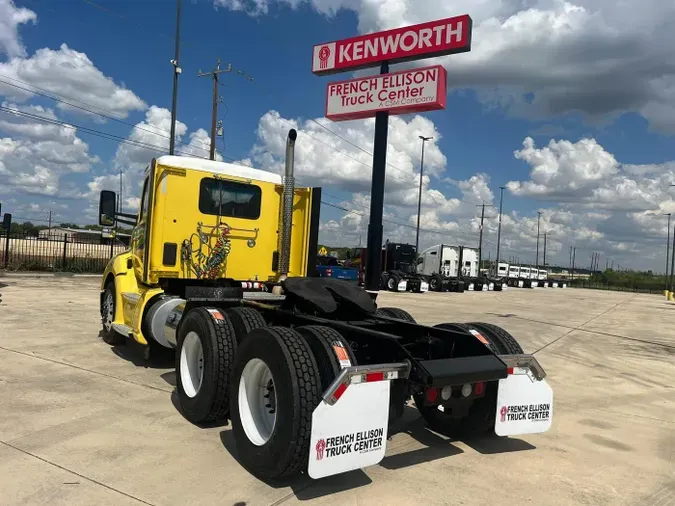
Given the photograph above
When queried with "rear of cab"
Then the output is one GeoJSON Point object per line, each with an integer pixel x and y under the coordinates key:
{"type": "Point", "coordinates": [188, 203]}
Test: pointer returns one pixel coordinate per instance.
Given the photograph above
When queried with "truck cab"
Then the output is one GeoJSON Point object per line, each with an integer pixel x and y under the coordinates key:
{"type": "Point", "coordinates": [202, 222]}
{"type": "Point", "coordinates": [440, 264]}
{"type": "Point", "coordinates": [221, 268]}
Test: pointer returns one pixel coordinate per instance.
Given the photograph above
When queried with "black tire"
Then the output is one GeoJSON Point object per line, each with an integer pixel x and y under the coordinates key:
{"type": "Point", "coordinates": [479, 421]}
{"type": "Point", "coordinates": [108, 334]}
{"type": "Point", "coordinates": [322, 342]}
{"type": "Point", "coordinates": [392, 283]}
{"type": "Point", "coordinates": [453, 326]}
{"type": "Point", "coordinates": [219, 344]}
{"type": "Point", "coordinates": [297, 390]}
{"type": "Point", "coordinates": [482, 413]}
{"type": "Point", "coordinates": [436, 283]}
{"type": "Point", "coordinates": [395, 312]}
{"type": "Point", "coordinates": [506, 343]}
{"type": "Point", "coordinates": [245, 320]}
{"type": "Point", "coordinates": [383, 281]}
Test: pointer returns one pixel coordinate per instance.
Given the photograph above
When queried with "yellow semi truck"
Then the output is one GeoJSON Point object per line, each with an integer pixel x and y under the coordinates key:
{"type": "Point", "coordinates": [309, 370]}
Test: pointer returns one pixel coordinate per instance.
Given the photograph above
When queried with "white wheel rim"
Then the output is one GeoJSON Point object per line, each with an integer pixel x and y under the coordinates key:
{"type": "Point", "coordinates": [257, 402]}
{"type": "Point", "coordinates": [108, 305]}
{"type": "Point", "coordinates": [191, 364]}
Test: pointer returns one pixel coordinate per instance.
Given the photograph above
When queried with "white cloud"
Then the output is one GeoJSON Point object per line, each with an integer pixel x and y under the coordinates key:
{"type": "Point", "coordinates": [11, 17]}
{"type": "Point", "coordinates": [35, 156]}
{"type": "Point", "coordinates": [70, 73]}
{"type": "Point", "coordinates": [148, 139]}
{"type": "Point", "coordinates": [584, 172]}
{"type": "Point", "coordinates": [536, 58]}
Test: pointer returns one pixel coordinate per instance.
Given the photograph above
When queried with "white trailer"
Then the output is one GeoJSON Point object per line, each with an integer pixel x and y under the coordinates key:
{"type": "Point", "coordinates": [502, 274]}
{"type": "Point", "coordinates": [514, 278]}
{"type": "Point", "coordinates": [441, 264]}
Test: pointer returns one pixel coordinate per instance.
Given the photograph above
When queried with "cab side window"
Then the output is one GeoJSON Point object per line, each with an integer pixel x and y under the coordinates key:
{"type": "Point", "coordinates": [144, 201]}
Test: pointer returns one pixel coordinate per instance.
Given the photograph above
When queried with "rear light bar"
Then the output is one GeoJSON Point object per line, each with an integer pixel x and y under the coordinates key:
{"type": "Point", "coordinates": [364, 374]}
{"type": "Point", "coordinates": [514, 362]}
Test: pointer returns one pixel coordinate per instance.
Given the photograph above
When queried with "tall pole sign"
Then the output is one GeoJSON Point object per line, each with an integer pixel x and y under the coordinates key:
{"type": "Point", "coordinates": [404, 92]}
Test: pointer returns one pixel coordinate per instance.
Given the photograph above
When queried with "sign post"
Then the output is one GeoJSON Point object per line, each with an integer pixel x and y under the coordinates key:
{"type": "Point", "coordinates": [389, 93]}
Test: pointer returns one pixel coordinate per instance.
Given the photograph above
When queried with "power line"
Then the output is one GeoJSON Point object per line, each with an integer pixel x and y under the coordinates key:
{"type": "Point", "coordinates": [61, 100]}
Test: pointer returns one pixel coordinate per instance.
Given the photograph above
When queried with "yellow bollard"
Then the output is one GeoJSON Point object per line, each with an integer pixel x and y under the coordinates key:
{"type": "Point", "coordinates": [665, 293]}
{"type": "Point", "coordinates": [671, 298]}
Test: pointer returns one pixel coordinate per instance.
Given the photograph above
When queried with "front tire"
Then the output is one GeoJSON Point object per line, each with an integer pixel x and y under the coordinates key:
{"type": "Point", "coordinates": [274, 445]}
{"type": "Point", "coordinates": [206, 346]}
{"type": "Point", "coordinates": [108, 309]}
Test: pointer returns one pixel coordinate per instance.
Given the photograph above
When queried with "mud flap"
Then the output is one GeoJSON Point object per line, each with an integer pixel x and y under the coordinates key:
{"type": "Point", "coordinates": [524, 404]}
{"type": "Point", "coordinates": [349, 426]}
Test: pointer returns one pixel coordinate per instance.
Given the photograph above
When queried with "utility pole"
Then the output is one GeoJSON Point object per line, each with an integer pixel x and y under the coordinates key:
{"type": "Point", "coordinates": [214, 108]}
{"type": "Point", "coordinates": [574, 256]}
{"type": "Point", "coordinates": [544, 250]}
{"type": "Point", "coordinates": [538, 220]}
{"type": "Point", "coordinates": [119, 200]}
{"type": "Point", "coordinates": [419, 199]}
{"type": "Point", "coordinates": [668, 249]}
{"type": "Point", "coordinates": [480, 241]}
{"type": "Point", "coordinates": [672, 263]}
{"type": "Point", "coordinates": [176, 72]}
{"type": "Point", "coordinates": [50, 220]}
{"type": "Point", "coordinates": [499, 226]}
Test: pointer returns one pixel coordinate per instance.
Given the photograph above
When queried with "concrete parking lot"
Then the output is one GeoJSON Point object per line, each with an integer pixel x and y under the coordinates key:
{"type": "Point", "coordinates": [85, 423]}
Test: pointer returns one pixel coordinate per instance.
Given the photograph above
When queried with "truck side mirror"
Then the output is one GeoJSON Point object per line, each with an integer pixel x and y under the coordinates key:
{"type": "Point", "coordinates": [107, 206]}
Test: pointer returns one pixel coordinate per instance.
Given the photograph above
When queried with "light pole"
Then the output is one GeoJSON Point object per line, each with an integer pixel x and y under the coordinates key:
{"type": "Point", "coordinates": [176, 73]}
{"type": "Point", "coordinates": [538, 220]}
{"type": "Point", "coordinates": [665, 292]}
{"type": "Point", "coordinates": [499, 226]}
{"type": "Point", "coordinates": [672, 266]}
{"type": "Point", "coordinates": [419, 199]}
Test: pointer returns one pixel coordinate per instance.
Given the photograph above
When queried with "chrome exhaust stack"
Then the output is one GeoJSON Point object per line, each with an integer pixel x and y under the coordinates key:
{"type": "Point", "coordinates": [287, 207]}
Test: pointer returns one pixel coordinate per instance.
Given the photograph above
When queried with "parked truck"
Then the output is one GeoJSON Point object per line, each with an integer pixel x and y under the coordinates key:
{"type": "Point", "coordinates": [440, 265]}
{"type": "Point", "coordinates": [310, 371]}
{"type": "Point", "coordinates": [398, 272]}
{"type": "Point", "coordinates": [329, 267]}
{"type": "Point", "coordinates": [473, 278]}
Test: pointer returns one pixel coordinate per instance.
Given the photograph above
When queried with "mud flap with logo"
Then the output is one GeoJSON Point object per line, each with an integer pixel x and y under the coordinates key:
{"type": "Point", "coordinates": [524, 404]}
{"type": "Point", "coordinates": [349, 426]}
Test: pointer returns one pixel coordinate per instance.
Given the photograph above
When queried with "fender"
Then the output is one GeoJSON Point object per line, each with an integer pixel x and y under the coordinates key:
{"type": "Point", "coordinates": [130, 297]}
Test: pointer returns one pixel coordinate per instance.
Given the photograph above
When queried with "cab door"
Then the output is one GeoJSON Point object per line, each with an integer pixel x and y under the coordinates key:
{"type": "Point", "coordinates": [138, 237]}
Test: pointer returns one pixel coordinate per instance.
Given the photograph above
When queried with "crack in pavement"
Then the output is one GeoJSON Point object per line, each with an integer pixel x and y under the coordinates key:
{"type": "Point", "coordinates": [96, 482]}
{"type": "Point", "coordinates": [59, 362]}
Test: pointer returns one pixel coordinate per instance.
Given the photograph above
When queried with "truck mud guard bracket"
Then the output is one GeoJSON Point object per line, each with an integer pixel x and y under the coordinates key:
{"type": "Point", "coordinates": [525, 362]}
{"type": "Point", "coordinates": [364, 374]}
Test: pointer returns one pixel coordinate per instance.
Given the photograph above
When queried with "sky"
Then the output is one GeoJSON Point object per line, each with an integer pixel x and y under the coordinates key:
{"type": "Point", "coordinates": [570, 106]}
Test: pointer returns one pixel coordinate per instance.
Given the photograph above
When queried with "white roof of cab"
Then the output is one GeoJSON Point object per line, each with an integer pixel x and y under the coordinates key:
{"type": "Point", "coordinates": [213, 167]}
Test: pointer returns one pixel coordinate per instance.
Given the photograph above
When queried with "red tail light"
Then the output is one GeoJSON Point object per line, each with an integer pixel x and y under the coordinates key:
{"type": "Point", "coordinates": [432, 394]}
{"type": "Point", "coordinates": [479, 388]}
{"type": "Point", "coordinates": [329, 271]}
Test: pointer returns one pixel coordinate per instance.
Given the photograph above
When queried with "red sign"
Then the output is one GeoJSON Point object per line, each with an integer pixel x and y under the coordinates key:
{"type": "Point", "coordinates": [426, 40]}
{"type": "Point", "coordinates": [402, 92]}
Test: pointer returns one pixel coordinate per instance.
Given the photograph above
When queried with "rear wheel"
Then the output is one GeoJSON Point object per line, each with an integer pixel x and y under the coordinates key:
{"type": "Point", "coordinates": [504, 341]}
{"type": "Point", "coordinates": [435, 283]}
{"type": "Point", "coordinates": [108, 308]}
{"type": "Point", "coordinates": [245, 320]}
{"type": "Point", "coordinates": [395, 312]}
{"type": "Point", "coordinates": [482, 412]}
{"type": "Point", "coordinates": [331, 351]}
{"type": "Point", "coordinates": [276, 385]}
{"type": "Point", "coordinates": [206, 346]}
